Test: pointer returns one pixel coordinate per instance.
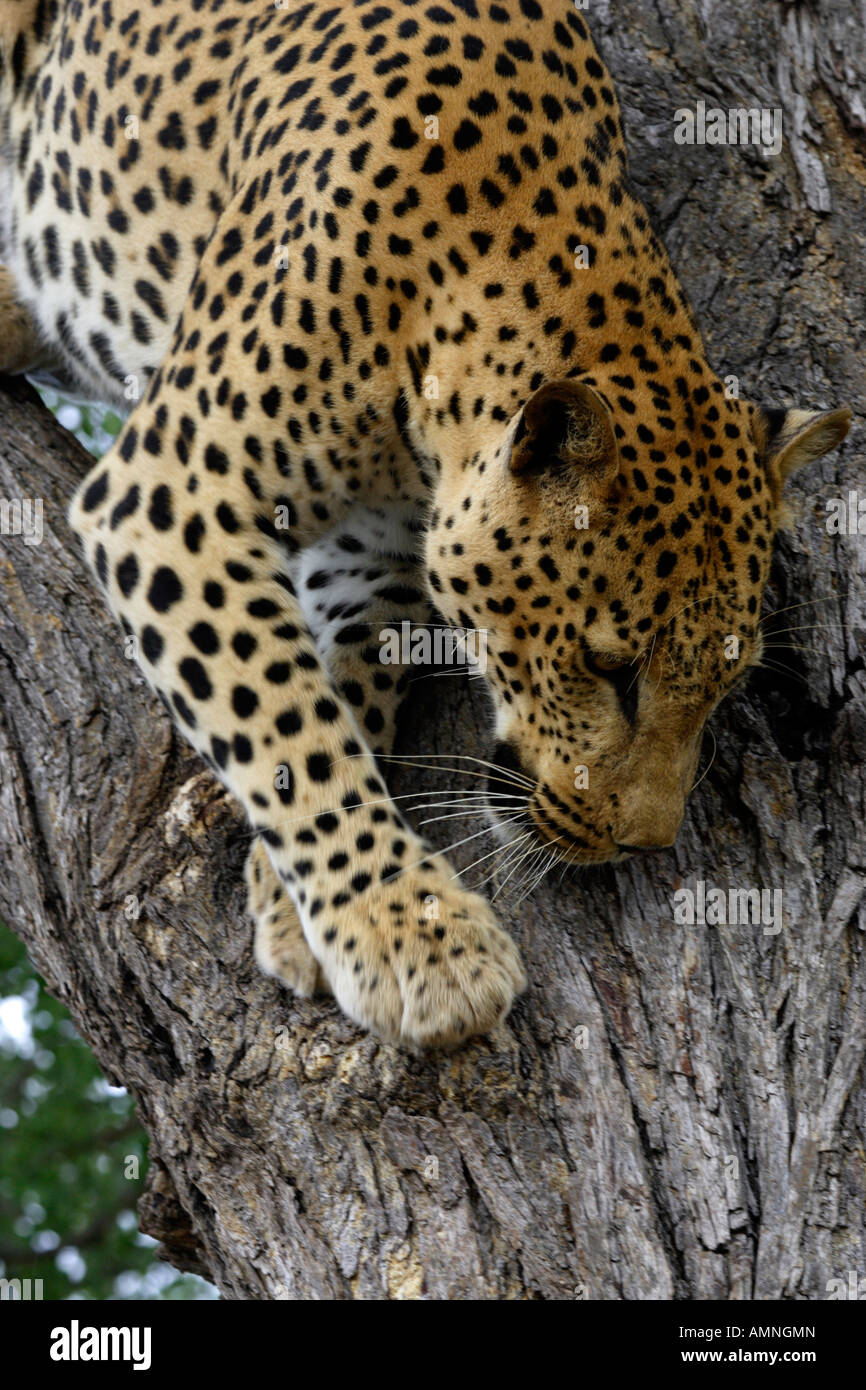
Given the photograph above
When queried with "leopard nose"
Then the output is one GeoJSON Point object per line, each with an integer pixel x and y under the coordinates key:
{"type": "Point", "coordinates": [650, 822]}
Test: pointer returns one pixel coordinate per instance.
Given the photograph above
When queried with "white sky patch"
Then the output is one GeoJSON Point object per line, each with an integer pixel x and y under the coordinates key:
{"type": "Point", "coordinates": [16, 1034]}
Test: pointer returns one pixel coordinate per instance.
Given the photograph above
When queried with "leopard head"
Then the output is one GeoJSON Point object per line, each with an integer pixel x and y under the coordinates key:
{"type": "Point", "coordinates": [613, 549]}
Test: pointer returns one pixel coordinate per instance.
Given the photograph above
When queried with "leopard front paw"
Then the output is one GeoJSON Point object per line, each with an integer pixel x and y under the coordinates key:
{"type": "Point", "coordinates": [422, 962]}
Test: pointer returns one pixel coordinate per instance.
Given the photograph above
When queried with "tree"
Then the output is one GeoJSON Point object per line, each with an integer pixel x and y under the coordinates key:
{"type": "Point", "coordinates": [673, 1110]}
{"type": "Point", "coordinates": [73, 1158]}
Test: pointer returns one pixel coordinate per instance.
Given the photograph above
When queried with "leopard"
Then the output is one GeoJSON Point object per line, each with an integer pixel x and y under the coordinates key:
{"type": "Point", "coordinates": [395, 341]}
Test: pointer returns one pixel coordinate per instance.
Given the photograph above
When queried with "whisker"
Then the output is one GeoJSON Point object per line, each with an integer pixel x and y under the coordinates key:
{"type": "Point", "coordinates": [529, 870]}
{"type": "Point", "coordinates": [710, 763]}
{"type": "Point", "coordinates": [510, 850]}
{"type": "Point", "coordinates": [566, 865]}
{"type": "Point", "coordinates": [497, 850]}
{"type": "Point", "coordinates": [467, 808]}
{"type": "Point", "coordinates": [513, 848]}
{"type": "Point", "coordinates": [781, 669]}
{"type": "Point", "coordinates": [530, 877]}
{"type": "Point", "coordinates": [251, 831]}
{"type": "Point", "coordinates": [546, 867]}
{"type": "Point", "coordinates": [511, 865]}
{"type": "Point", "coordinates": [530, 833]}
{"type": "Point", "coordinates": [432, 852]}
{"type": "Point", "coordinates": [448, 671]}
{"type": "Point", "coordinates": [777, 612]}
{"type": "Point", "coordinates": [473, 810]}
{"type": "Point", "coordinates": [808, 627]}
{"type": "Point", "coordinates": [421, 767]}
{"type": "Point", "coordinates": [530, 851]}
{"type": "Point", "coordinates": [793, 647]}
{"type": "Point", "coordinates": [483, 762]}
{"type": "Point", "coordinates": [680, 611]}
{"type": "Point", "coordinates": [649, 659]}
{"type": "Point", "coordinates": [507, 774]}
{"type": "Point", "coordinates": [470, 799]}
{"type": "Point", "coordinates": [637, 674]}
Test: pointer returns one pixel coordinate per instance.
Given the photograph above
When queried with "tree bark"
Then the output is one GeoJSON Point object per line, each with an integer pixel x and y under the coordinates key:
{"type": "Point", "coordinates": [671, 1111]}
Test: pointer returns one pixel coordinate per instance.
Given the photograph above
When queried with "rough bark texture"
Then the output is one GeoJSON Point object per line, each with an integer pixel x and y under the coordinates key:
{"type": "Point", "coordinates": [671, 1111]}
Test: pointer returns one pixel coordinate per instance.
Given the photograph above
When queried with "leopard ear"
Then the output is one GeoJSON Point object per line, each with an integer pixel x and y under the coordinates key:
{"type": "Point", "coordinates": [565, 424]}
{"type": "Point", "coordinates": [790, 439]}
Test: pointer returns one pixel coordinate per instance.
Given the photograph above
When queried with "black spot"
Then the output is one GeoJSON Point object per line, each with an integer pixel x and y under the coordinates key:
{"type": "Point", "coordinates": [196, 677]}
{"type": "Point", "coordinates": [160, 514]}
{"type": "Point", "coordinates": [468, 135]}
{"type": "Point", "coordinates": [319, 767]}
{"type": "Point", "coordinates": [165, 589]}
{"type": "Point", "coordinates": [204, 637]}
{"type": "Point", "coordinates": [96, 493]}
{"type": "Point", "coordinates": [151, 644]}
{"type": "Point", "coordinates": [127, 575]}
{"type": "Point", "coordinates": [289, 722]}
{"type": "Point", "coordinates": [245, 702]}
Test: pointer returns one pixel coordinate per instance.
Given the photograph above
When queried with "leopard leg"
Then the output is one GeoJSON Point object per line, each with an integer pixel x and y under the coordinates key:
{"type": "Point", "coordinates": [363, 574]}
{"type": "Point", "coordinates": [187, 523]}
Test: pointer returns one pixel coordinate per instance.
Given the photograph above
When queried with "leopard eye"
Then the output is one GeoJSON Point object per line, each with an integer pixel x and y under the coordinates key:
{"type": "Point", "coordinates": [599, 664]}
{"type": "Point", "coordinates": [620, 672]}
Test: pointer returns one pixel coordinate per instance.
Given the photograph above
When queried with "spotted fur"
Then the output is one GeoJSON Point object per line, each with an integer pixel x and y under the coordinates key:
{"type": "Point", "coordinates": [333, 248]}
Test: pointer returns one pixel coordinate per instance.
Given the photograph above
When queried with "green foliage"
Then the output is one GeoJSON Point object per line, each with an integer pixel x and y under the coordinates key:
{"type": "Point", "coordinates": [72, 1157]}
{"type": "Point", "coordinates": [95, 426]}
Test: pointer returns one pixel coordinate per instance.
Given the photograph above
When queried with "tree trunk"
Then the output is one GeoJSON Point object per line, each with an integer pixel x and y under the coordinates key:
{"type": "Point", "coordinates": [671, 1111]}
